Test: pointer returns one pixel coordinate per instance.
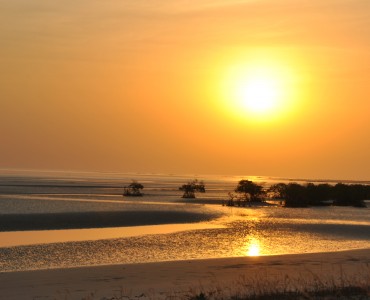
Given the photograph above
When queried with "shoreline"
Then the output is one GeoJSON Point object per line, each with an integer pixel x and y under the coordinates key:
{"type": "Point", "coordinates": [180, 277]}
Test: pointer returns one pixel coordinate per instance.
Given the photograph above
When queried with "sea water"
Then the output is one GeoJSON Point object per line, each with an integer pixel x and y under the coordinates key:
{"type": "Point", "coordinates": [232, 231]}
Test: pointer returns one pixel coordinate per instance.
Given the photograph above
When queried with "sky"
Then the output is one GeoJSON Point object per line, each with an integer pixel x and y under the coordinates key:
{"type": "Point", "coordinates": [166, 86]}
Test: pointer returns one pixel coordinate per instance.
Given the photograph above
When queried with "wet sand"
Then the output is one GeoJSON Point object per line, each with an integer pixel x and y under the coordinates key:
{"type": "Point", "coordinates": [184, 278]}
{"type": "Point", "coordinates": [72, 220]}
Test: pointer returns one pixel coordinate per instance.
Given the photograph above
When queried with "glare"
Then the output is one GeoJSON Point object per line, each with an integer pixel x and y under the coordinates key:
{"type": "Point", "coordinates": [260, 90]}
{"type": "Point", "coordinates": [253, 248]}
{"type": "Point", "coordinates": [259, 94]}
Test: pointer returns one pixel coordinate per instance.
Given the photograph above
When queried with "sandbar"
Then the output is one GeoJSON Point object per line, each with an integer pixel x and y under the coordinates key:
{"type": "Point", "coordinates": [80, 220]}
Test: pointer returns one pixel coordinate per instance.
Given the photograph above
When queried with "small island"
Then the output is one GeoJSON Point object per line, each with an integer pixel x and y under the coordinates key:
{"type": "Point", "coordinates": [298, 195]}
{"type": "Point", "coordinates": [191, 187]}
{"type": "Point", "coordinates": [133, 189]}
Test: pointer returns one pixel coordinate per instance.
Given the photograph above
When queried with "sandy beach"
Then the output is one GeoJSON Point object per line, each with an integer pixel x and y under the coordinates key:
{"type": "Point", "coordinates": [184, 278]}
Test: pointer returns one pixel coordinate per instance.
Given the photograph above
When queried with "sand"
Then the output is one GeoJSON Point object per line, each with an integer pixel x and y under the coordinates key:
{"type": "Point", "coordinates": [79, 220]}
{"type": "Point", "coordinates": [182, 278]}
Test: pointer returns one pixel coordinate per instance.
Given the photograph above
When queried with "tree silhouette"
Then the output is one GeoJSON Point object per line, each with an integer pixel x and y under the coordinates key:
{"type": "Point", "coordinates": [318, 194]}
{"type": "Point", "coordinates": [133, 189]}
{"type": "Point", "coordinates": [297, 195]}
{"type": "Point", "coordinates": [277, 191]}
{"type": "Point", "coordinates": [252, 192]}
{"type": "Point", "coordinates": [353, 194]}
{"type": "Point", "coordinates": [191, 187]}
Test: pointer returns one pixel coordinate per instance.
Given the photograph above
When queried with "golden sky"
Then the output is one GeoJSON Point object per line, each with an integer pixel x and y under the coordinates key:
{"type": "Point", "coordinates": [176, 86]}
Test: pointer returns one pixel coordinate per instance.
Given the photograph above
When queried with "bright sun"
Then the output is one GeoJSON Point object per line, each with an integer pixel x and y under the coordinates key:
{"type": "Point", "coordinates": [258, 94]}
{"type": "Point", "coordinates": [259, 91]}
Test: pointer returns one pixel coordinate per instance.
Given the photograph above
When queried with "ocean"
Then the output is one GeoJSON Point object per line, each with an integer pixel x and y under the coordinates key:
{"type": "Point", "coordinates": [64, 220]}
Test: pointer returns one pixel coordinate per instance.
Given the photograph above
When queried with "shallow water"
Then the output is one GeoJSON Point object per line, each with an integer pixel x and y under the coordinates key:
{"type": "Point", "coordinates": [235, 232]}
{"type": "Point", "coordinates": [33, 237]}
{"type": "Point", "coordinates": [246, 232]}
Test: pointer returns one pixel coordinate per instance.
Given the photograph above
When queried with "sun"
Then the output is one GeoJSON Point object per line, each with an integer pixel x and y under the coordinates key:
{"type": "Point", "coordinates": [258, 94]}
{"type": "Point", "coordinates": [258, 90]}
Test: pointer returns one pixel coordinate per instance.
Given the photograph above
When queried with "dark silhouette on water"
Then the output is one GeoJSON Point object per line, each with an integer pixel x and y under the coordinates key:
{"type": "Point", "coordinates": [252, 192]}
{"type": "Point", "coordinates": [296, 195]}
{"type": "Point", "coordinates": [246, 192]}
{"type": "Point", "coordinates": [191, 187]}
{"type": "Point", "coordinates": [133, 189]}
{"type": "Point", "coordinates": [354, 194]}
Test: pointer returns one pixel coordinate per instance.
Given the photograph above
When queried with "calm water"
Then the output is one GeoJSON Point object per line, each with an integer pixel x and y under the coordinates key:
{"type": "Point", "coordinates": [232, 232]}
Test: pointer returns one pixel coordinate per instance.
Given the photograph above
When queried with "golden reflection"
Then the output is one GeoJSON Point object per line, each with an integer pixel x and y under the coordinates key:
{"type": "Point", "coordinates": [253, 248]}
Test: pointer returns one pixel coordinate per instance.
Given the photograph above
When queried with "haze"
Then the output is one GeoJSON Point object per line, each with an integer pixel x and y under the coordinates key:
{"type": "Point", "coordinates": [143, 86]}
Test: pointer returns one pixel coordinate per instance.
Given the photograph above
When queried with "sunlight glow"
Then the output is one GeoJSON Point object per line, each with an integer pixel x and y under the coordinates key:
{"type": "Point", "coordinates": [258, 89]}
{"type": "Point", "coordinates": [253, 248]}
{"type": "Point", "coordinates": [258, 94]}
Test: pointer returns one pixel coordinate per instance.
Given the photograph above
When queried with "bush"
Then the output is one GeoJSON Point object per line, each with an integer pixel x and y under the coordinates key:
{"type": "Point", "coordinates": [252, 192]}
{"type": "Point", "coordinates": [133, 189]}
{"type": "Point", "coordinates": [191, 187]}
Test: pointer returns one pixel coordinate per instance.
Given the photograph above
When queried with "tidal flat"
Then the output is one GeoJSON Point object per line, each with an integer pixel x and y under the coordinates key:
{"type": "Point", "coordinates": [84, 220]}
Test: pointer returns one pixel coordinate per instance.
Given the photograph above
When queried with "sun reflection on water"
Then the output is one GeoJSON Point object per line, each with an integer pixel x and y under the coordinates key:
{"type": "Point", "coordinates": [253, 248]}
